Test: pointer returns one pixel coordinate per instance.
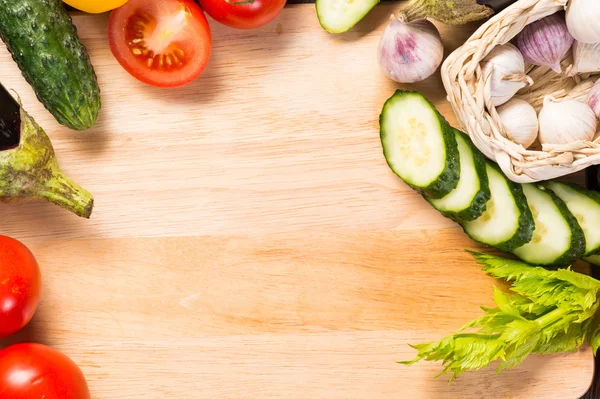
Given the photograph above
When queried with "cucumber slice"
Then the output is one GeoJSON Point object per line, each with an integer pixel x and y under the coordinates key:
{"type": "Point", "coordinates": [507, 222]}
{"type": "Point", "coordinates": [468, 200]}
{"type": "Point", "coordinates": [557, 239]}
{"type": "Point", "coordinates": [593, 260]}
{"type": "Point", "coordinates": [338, 16]}
{"type": "Point", "coordinates": [419, 145]}
{"type": "Point", "coordinates": [585, 206]}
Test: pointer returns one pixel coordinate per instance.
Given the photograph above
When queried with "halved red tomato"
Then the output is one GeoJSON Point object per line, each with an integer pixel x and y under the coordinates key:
{"type": "Point", "coordinates": [165, 43]}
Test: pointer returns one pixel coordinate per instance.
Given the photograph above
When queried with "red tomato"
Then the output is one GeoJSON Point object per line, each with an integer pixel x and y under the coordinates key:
{"type": "Point", "coordinates": [243, 14]}
{"type": "Point", "coordinates": [20, 286]}
{"type": "Point", "coordinates": [34, 371]}
{"type": "Point", "coordinates": [165, 43]}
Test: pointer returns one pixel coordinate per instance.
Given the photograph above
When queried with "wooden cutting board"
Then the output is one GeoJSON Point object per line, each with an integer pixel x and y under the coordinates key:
{"type": "Point", "coordinates": [248, 239]}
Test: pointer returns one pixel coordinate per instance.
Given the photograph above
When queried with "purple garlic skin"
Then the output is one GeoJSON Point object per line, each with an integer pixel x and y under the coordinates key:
{"type": "Point", "coordinates": [410, 52]}
{"type": "Point", "coordinates": [594, 100]}
{"type": "Point", "coordinates": [546, 42]}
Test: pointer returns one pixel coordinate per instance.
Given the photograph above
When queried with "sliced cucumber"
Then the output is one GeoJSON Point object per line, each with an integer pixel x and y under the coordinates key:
{"type": "Point", "coordinates": [585, 206]}
{"type": "Point", "coordinates": [557, 239]}
{"type": "Point", "coordinates": [418, 144]}
{"type": "Point", "coordinates": [468, 200]}
{"type": "Point", "coordinates": [593, 260]}
{"type": "Point", "coordinates": [338, 16]}
{"type": "Point", "coordinates": [507, 222]}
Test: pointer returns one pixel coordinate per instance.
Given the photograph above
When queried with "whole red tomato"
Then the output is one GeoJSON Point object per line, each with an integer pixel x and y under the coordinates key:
{"type": "Point", "coordinates": [20, 286]}
{"type": "Point", "coordinates": [243, 14]}
{"type": "Point", "coordinates": [34, 371]}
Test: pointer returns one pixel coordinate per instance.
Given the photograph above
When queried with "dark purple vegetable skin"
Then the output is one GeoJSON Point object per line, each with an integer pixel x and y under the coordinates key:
{"type": "Point", "coordinates": [496, 5]}
{"type": "Point", "coordinates": [10, 121]}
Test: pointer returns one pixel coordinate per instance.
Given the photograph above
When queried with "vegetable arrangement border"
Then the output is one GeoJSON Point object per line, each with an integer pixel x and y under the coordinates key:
{"type": "Point", "coordinates": [469, 93]}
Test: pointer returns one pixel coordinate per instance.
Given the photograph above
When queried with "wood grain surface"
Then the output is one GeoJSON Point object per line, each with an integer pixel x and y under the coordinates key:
{"type": "Point", "coordinates": [248, 239]}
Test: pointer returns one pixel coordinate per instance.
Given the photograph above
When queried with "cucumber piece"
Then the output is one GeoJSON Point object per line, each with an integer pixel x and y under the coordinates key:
{"type": "Point", "coordinates": [468, 200]}
{"type": "Point", "coordinates": [418, 144]}
{"type": "Point", "coordinates": [593, 260]}
{"type": "Point", "coordinates": [557, 239]}
{"type": "Point", "coordinates": [585, 206]}
{"type": "Point", "coordinates": [43, 41]}
{"type": "Point", "coordinates": [338, 16]}
{"type": "Point", "coordinates": [507, 222]}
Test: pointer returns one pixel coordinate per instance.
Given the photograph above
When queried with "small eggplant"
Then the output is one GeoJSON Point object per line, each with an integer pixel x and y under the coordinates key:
{"type": "Point", "coordinates": [496, 5]}
{"type": "Point", "coordinates": [28, 166]}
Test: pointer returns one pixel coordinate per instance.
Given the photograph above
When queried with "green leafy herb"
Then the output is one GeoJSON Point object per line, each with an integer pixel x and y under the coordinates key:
{"type": "Point", "coordinates": [550, 311]}
{"type": "Point", "coordinates": [456, 12]}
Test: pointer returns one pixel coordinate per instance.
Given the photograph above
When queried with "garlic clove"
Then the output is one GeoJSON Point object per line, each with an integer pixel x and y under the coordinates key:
{"type": "Point", "coordinates": [519, 121]}
{"type": "Point", "coordinates": [545, 42]}
{"type": "Point", "coordinates": [594, 99]}
{"type": "Point", "coordinates": [586, 57]}
{"type": "Point", "coordinates": [507, 68]}
{"type": "Point", "coordinates": [564, 122]}
{"type": "Point", "coordinates": [582, 20]}
{"type": "Point", "coordinates": [410, 51]}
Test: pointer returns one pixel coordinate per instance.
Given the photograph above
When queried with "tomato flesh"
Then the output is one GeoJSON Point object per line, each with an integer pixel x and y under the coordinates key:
{"type": "Point", "coordinates": [20, 286]}
{"type": "Point", "coordinates": [141, 39]}
{"type": "Point", "coordinates": [243, 14]}
{"type": "Point", "coordinates": [34, 371]}
{"type": "Point", "coordinates": [163, 43]}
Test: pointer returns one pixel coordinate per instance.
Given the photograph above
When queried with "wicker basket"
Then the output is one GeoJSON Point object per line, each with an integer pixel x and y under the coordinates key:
{"type": "Point", "coordinates": [469, 93]}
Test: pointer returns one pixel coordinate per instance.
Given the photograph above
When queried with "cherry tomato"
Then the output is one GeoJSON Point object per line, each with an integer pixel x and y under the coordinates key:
{"type": "Point", "coordinates": [243, 14]}
{"type": "Point", "coordinates": [164, 43]}
{"type": "Point", "coordinates": [20, 286]}
{"type": "Point", "coordinates": [34, 371]}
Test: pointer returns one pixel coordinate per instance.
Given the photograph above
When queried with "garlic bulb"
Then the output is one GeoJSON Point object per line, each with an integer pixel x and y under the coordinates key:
{"type": "Point", "coordinates": [586, 57]}
{"type": "Point", "coordinates": [582, 20]}
{"type": "Point", "coordinates": [564, 122]}
{"type": "Point", "coordinates": [508, 72]}
{"type": "Point", "coordinates": [520, 121]}
{"type": "Point", "coordinates": [410, 51]}
{"type": "Point", "coordinates": [594, 100]}
{"type": "Point", "coordinates": [545, 42]}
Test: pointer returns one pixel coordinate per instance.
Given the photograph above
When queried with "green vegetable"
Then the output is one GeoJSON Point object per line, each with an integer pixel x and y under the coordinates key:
{"type": "Point", "coordinates": [557, 239]}
{"type": "Point", "coordinates": [468, 200]}
{"type": "Point", "coordinates": [592, 260]}
{"type": "Point", "coordinates": [43, 42]}
{"type": "Point", "coordinates": [585, 206]}
{"type": "Point", "coordinates": [28, 167]}
{"type": "Point", "coordinates": [531, 221]}
{"type": "Point", "coordinates": [419, 145]}
{"type": "Point", "coordinates": [548, 312]}
{"type": "Point", "coordinates": [338, 16]}
{"type": "Point", "coordinates": [455, 12]}
{"type": "Point", "coordinates": [507, 223]}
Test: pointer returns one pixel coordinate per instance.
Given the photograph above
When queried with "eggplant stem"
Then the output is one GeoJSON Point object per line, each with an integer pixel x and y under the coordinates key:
{"type": "Point", "coordinates": [64, 192]}
{"type": "Point", "coordinates": [413, 11]}
{"type": "Point", "coordinates": [455, 12]}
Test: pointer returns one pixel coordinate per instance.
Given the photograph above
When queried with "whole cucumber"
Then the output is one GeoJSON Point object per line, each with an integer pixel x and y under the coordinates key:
{"type": "Point", "coordinates": [43, 41]}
